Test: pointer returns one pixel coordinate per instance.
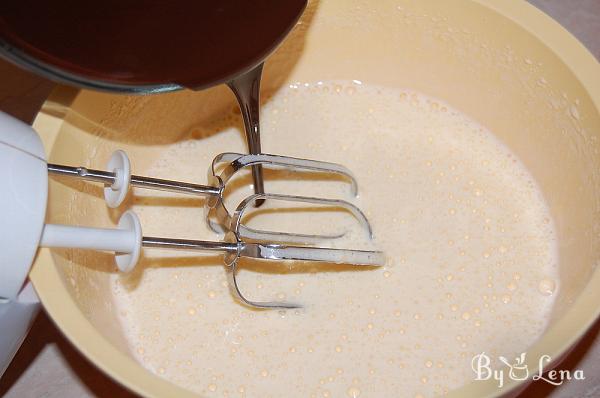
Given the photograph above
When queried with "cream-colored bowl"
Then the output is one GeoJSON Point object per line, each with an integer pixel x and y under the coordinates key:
{"type": "Point", "coordinates": [500, 61]}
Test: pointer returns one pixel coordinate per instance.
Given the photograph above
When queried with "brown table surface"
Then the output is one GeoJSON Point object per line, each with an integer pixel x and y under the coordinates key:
{"type": "Point", "coordinates": [47, 365]}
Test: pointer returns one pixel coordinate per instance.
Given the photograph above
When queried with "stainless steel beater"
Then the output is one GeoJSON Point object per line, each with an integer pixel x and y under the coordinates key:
{"type": "Point", "coordinates": [239, 240]}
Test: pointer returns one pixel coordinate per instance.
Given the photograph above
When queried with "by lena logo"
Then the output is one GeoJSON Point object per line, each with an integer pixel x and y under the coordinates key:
{"type": "Point", "coordinates": [518, 370]}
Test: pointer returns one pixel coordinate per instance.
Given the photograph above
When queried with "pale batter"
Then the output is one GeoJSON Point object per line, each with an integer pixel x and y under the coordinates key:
{"type": "Point", "coordinates": [471, 247]}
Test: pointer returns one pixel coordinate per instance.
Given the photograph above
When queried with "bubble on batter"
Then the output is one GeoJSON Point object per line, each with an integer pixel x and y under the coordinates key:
{"type": "Point", "coordinates": [547, 287]}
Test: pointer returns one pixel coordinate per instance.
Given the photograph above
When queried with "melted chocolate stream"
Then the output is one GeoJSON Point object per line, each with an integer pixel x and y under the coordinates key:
{"type": "Point", "coordinates": [246, 88]}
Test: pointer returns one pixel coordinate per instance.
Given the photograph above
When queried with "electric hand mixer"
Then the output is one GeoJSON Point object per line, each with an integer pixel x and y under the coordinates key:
{"type": "Point", "coordinates": [24, 169]}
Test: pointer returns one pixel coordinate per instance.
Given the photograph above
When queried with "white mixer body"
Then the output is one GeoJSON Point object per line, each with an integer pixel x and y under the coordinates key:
{"type": "Point", "coordinates": [24, 177]}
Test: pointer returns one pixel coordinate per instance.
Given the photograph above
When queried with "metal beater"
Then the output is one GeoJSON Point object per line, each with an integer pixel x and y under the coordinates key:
{"type": "Point", "coordinates": [239, 240]}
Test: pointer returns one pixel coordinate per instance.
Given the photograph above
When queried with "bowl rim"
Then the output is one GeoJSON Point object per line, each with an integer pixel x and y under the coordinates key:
{"type": "Point", "coordinates": [561, 337]}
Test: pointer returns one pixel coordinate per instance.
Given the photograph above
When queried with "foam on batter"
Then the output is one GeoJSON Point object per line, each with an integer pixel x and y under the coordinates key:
{"type": "Point", "coordinates": [471, 247]}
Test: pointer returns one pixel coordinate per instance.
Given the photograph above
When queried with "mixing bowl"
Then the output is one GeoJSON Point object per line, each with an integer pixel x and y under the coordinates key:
{"type": "Point", "coordinates": [502, 62]}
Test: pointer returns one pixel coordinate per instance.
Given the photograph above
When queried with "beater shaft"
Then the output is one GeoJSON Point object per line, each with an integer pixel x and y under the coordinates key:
{"type": "Point", "coordinates": [108, 178]}
{"type": "Point", "coordinates": [120, 241]}
{"type": "Point", "coordinates": [189, 244]}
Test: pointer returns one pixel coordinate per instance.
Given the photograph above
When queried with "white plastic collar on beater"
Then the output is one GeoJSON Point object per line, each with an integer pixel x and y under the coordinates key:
{"type": "Point", "coordinates": [119, 164]}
